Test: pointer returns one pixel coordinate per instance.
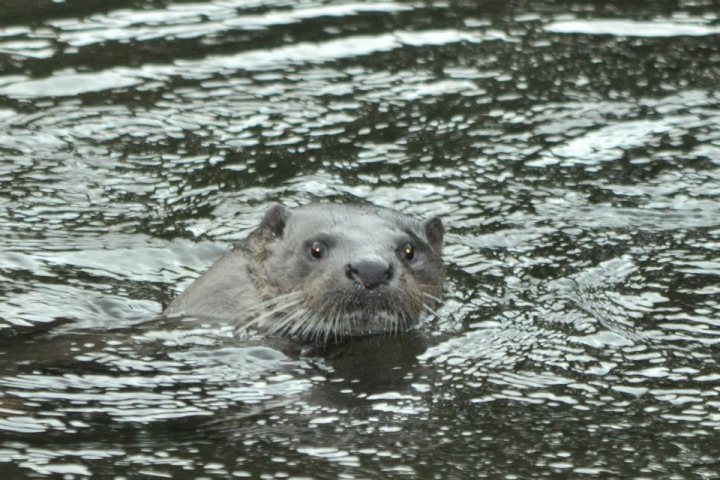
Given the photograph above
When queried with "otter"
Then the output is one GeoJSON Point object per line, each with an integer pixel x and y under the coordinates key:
{"type": "Point", "coordinates": [324, 271]}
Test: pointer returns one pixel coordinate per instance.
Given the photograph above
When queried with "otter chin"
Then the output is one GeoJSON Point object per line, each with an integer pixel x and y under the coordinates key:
{"type": "Point", "coordinates": [324, 272]}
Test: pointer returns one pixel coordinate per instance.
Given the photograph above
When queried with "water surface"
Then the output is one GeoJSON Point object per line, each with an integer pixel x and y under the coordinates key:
{"type": "Point", "coordinates": [571, 148]}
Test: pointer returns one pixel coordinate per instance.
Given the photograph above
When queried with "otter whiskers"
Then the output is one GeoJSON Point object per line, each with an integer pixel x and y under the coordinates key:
{"type": "Point", "coordinates": [270, 308]}
{"type": "Point", "coordinates": [289, 315]}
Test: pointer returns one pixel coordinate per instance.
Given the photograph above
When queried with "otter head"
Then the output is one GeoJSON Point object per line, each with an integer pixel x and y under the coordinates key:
{"type": "Point", "coordinates": [336, 271]}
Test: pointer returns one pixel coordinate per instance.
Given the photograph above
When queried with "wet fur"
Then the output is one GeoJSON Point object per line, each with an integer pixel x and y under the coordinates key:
{"type": "Point", "coordinates": [273, 286]}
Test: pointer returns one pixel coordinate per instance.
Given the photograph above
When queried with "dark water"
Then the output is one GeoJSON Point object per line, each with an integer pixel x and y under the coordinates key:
{"type": "Point", "coordinates": [572, 149]}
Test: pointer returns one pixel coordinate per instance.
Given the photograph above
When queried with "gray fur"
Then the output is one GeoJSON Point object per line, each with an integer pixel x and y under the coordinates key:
{"type": "Point", "coordinates": [272, 283]}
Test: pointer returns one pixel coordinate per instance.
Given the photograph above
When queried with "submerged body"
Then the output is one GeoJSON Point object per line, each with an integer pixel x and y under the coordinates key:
{"type": "Point", "coordinates": [324, 271]}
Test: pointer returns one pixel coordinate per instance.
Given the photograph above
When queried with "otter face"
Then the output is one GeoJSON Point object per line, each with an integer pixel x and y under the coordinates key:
{"type": "Point", "coordinates": [343, 270]}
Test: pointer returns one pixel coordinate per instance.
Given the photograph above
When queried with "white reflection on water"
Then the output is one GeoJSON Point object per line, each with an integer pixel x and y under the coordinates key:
{"type": "Point", "coordinates": [28, 48]}
{"type": "Point", "coordinates": [70, 83]}
{"type": "Point", "coordinates": [156, 376]}
{"type": "Point", "coordinates": [199, 20]}
{"type": "Point", "coordinates": [634, 28]}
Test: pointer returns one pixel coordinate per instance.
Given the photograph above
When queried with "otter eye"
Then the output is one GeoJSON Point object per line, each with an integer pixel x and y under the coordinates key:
{"type": "Point", "coordinates": [317, 250]}
{"type": "Point", "coordinates": [408, 250]}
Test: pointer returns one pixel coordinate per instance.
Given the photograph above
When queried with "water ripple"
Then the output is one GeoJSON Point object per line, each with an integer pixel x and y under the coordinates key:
{"type": "Point", "coordinates": [69, 84]}
{"type": "Point", "coordinates": [577, 177]}
{"type": "Point", "coordinates": [191, 20]}
{"type": "Point", "coordinates": [656, 28]}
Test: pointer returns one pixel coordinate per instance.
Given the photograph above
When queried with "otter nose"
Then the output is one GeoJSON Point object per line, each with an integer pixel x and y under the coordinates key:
{"type": "Point", "coordinates": [369, 274]}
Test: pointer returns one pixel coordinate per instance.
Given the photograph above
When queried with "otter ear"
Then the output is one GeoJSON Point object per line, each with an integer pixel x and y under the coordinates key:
{"type": "Point", "coordinates": [434, 232]}
{"type": "Point", "coordinates": [275, 219]}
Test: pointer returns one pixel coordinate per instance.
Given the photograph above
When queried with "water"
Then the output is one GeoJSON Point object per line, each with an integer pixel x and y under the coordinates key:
{"type": "Point", "coordinates": [571, 148]}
